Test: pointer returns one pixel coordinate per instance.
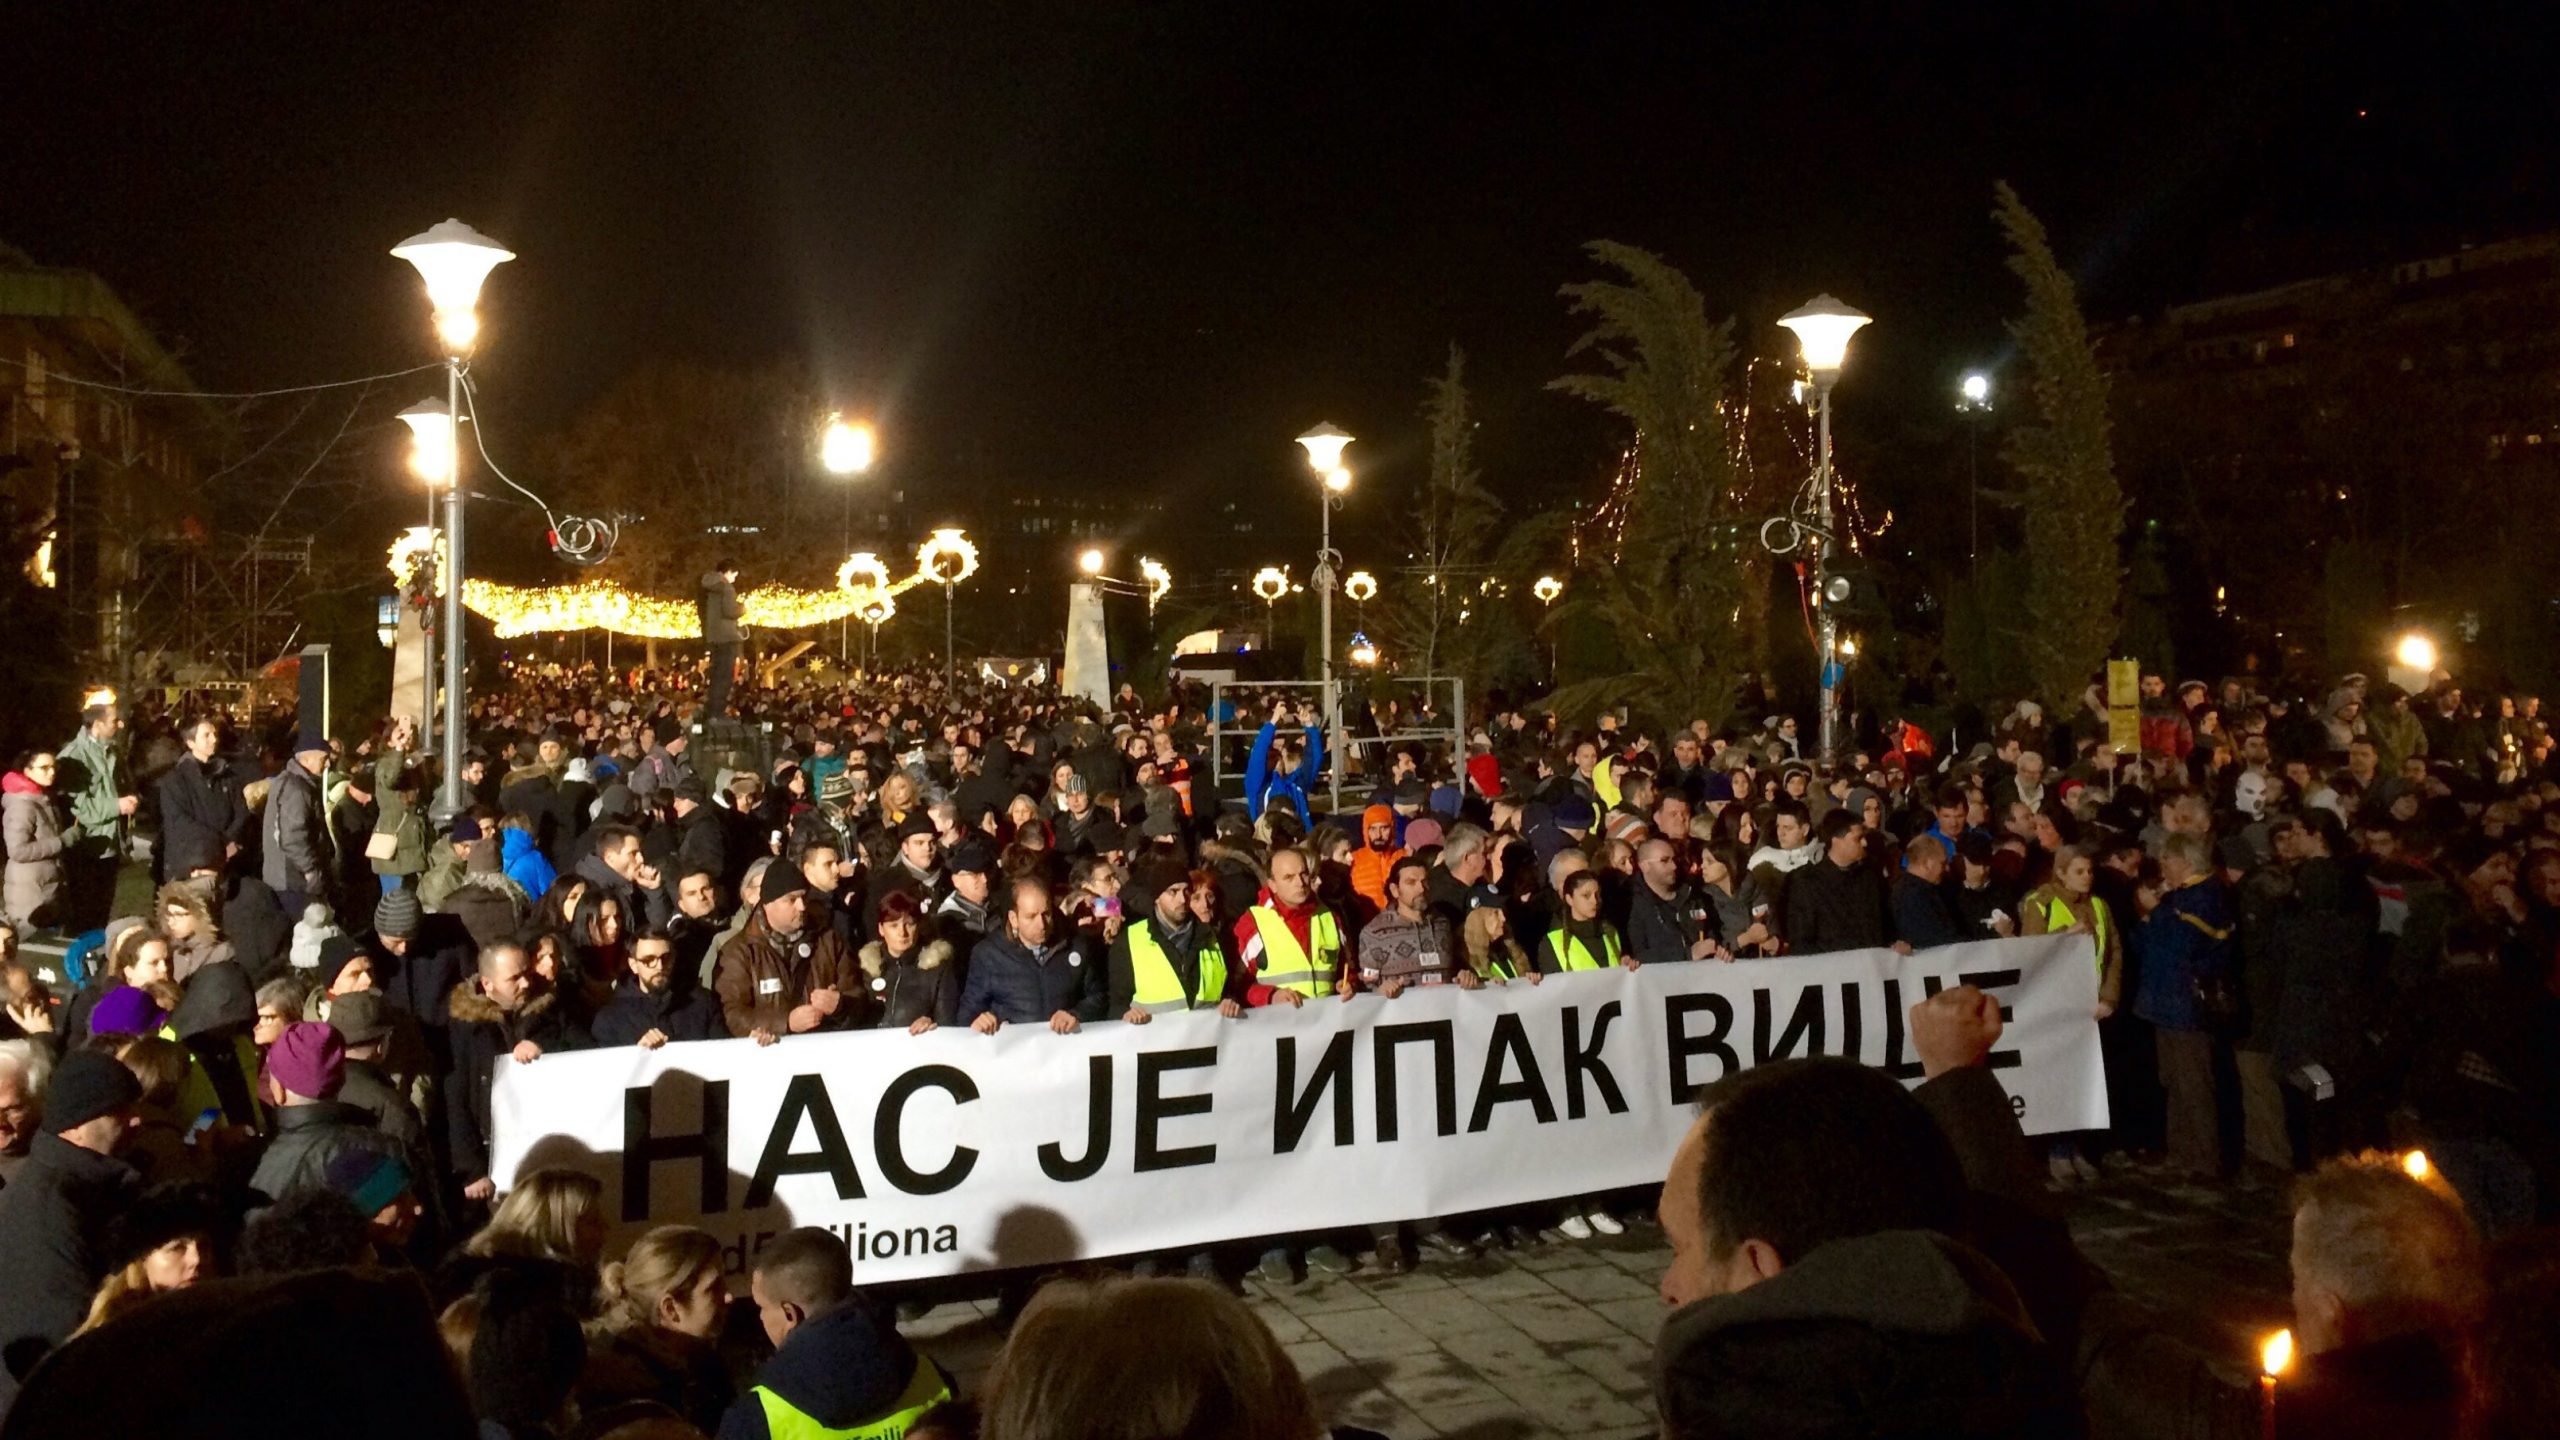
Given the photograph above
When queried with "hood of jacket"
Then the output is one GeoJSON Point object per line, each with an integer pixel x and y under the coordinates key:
{"type": "Point", "coordinates": [468, 1006]}
{"type": "Point", "coordinates": [842, 1368]}
{"type": "Point", "coordinates": [17, 783]}
{"type": "Point", "coordinates": [932, 955]}
{"type": "Point", "coordinates": [514, 845]}
{"type": "Point", "coordinates": [1906, 1324]}
{"type": "Point", "coordinates": [217, 996]}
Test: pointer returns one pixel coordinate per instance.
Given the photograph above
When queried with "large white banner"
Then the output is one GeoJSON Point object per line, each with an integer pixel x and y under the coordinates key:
{"type": "Point", "coordinates": [956, 1151]}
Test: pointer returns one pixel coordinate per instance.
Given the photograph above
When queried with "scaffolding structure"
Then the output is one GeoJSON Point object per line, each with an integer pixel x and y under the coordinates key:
{"type": "Point", "coordinates": [200, 611]}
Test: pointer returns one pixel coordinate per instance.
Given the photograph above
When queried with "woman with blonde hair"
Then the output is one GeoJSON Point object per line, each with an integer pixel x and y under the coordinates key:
{"type": "Point", "coordinates": [157, 1145]}
{"type": "Point", "coordinates": [660, 1310]}
{"type": "Point", "coordinates": [1491, 952]}
{"type": "Point", "coordinates": [553, 1215]}
{"type": "Point", "coordinates": [1120, 1359]}
{"type": "Point", "coordinates": [195, 939]}
{"type": "Point", "coordinates": [165, 1242]}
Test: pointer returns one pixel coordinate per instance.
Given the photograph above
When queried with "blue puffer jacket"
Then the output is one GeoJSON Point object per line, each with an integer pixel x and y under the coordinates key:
{"type": "Point", "coordinates": [2186, 939]}
{"type": "Point", "coordinates": [524, 863]}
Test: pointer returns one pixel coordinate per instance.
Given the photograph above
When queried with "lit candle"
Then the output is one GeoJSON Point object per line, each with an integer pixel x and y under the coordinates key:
{"type": "Point", "coordinates": [2273, 1357]}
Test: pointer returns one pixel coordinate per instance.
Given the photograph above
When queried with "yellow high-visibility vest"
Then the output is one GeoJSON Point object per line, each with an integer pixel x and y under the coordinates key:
{"type": "Point", "coordinates": [925, 1389]}
{"type": "Point", "coordinates": [1159, 985]}
{"type": "Point", "coordinates": [1285, 965]}
{"type": "Point", "coordinates": [1574, 955]}
{"type": "Point", "coordinates": [2058, 916]}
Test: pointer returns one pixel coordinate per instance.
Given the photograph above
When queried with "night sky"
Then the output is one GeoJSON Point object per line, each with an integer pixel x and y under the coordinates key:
{"type": "Point", "coordinates": [1145, 246]}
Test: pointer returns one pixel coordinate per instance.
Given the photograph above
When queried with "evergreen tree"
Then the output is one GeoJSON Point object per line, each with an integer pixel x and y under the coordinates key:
{"type": "Point", "coordinates": [1453, 518]}
{"type": "Point", "coordinates": [2071, 511]}
{"type": "Point", "coordinates": [1663, 567]}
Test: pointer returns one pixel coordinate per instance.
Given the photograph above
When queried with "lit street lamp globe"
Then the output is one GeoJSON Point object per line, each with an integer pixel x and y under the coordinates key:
{"type": "Point", "coordinates": [848, 447]}
{"type": "Point", "coordinates": [1823, 326]}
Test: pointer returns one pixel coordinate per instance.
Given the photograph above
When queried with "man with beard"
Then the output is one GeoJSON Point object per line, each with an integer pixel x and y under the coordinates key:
{"type": "Point", "coordinates": [497, 1016]}
{"type": "Point", "coordinates": [651, 1005]}
{"type": "Point", "coordinates": [783, 975]}
{"type": "Point", "coordinates": [697, 925]}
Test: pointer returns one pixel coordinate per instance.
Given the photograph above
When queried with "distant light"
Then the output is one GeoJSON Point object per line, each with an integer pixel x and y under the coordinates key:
{"type": "Point", "coordinates": [1823, 326]}
{"type": "Point", "coordinates": [848, 447]}
{"type": "Point", "coordinates": [1090, 562]}
{"type": "Point", "coordinates": [1361, 586]}
{"type": "Point", "coordinates": [1977, 387]}
{"type": "Point", "coordinates": [1363, 652]}
{"type": "Point", "coordinates": [2415, 652]}
{"type": "Point", "coordinates": [2275, 1356]}
{"type": "Point", "coordinates": [2415, 1163]}
{"type": "Point", "coordinates": [1547, 589]}
{"type": "Point", "coordinates": [1270, 584]}
{"type": "Point", "coordinates": [1848, 647]}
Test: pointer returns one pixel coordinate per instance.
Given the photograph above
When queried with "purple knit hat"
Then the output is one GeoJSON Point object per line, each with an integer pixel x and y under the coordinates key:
{"type": "Point", "coordinates": [308, 1059]}
{"type": "Point", "coordinates": [125, 1010]}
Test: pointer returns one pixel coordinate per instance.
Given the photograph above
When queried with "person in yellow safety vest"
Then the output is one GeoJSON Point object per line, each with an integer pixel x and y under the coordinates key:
{"type": "Point", "coordinates": [1584, 941]}
{"type": "Point", "coordinates": [2066, 904]}
{"type": "Point", "coordinates": [1290, 948]}
{"type": "Point", "coordinates": [1165, 960]}
{"type": "Point", "coordinates": [839, 1371]}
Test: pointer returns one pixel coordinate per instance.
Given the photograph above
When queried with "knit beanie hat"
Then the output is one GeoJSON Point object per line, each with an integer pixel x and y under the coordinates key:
{"type": "Point", "coordinates": [310, 1060]}
{"type": "Point", "coordinates": [396, 915]}
{"type": "Point", "coordinates": [1420, 833]}
{"type": "Point", "coordinates": [370, 1179]}
{"type": "Point", "coordinates": [336, 954]}
{"type": "Point", "coordinates": [125, 1010]}
{"type": "Point", "coordinates": [86, 1085]}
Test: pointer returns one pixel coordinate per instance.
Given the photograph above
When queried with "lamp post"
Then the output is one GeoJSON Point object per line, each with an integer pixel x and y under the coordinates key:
{"type": "Point", "coordinates": [1823, 326]}
{"type": "Point", "coordinates": [1270, 584]}
{"type": "Point", "coordinates": [847, 448]}
{"type": "Point", "coordinates": [453, 259]}
{"type": "Point", "coordinates": [1547, 589]}
{"type": "Point", "coordinates": [431, 460]}
{"type": "Point", "coordinates": [1159, 583]}
{"type": "Point", "coordinates": [949, 558]}
{"type": "Point", "coordinates": [1324, 445]}
{"type": "Point", "coordinates": [1973, 398]}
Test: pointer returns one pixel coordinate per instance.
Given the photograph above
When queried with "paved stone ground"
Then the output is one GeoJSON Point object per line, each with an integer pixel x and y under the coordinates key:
{"type": "Point", "coordinates": [1554, 1340]}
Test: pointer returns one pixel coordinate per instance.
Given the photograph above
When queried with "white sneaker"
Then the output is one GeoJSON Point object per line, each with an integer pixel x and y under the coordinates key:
{"type": "Point", "coordinates": [1605, 1223]}
{"type": "Point", "coordinates": [1574, 1228]}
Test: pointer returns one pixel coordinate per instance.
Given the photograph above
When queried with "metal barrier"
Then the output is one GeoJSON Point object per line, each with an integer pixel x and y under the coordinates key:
{"type": "Point", "coordinates": [1231, 736]}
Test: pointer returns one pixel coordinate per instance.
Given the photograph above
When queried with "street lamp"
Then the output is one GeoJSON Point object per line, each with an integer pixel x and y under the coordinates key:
{"type": "Point", "coordinates": [431, 459]}
{"type": "Point", "coordinates": [1324, 445]}
{"type": "Point", "coordinates": [948, 558]}
{"type": "Point", "coordinates": [1823, 326]}
{"type": "Point", "coordinates": [1090, 562]}
{"type": "Point", "coordinates": [875, 612]}
{"type": "Point", "coordinates": [1270, 584]}
{"type": "Point", "coordinates": [1159, 582]}
{"type": "Point", "coordinates": [453, 259]}
{"type": "Point", "coordinates": [1547, 589]}
{"type": "Point", "coordinates": [848, 447]}
{"type": "Point", "coordinates": [1363, 654]}
{"type": "Point", "coordinates": [1973, 400]}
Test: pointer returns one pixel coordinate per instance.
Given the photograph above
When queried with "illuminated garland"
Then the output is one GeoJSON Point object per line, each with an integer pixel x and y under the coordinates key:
{"type": "Point", "coordinates": [863, 585]}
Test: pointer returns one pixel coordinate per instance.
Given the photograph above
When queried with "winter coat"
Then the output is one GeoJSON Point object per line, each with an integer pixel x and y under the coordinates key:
{"type": "Point", "coordinates": [719, 610]}
{"type": "Point", "coordinates": [214, 1020]}
{"type": "Point", "coordinates": [351, 823]}
{"type": "Point", "coordinates": [1829, 908]}
{"type": "Point", "coordinates": [2187, 938]}
{"type": "Point", "coordinates": [923, 982]}
{"type": "Point", "coordinates": [370, 1088]}
{"type": "Point", "coordinates": [296, 834]}
{"type": "Point", "coordinates": [420, 984]}
{"type": "Point", "coordinates": [32, 886]}
{"type": "Point", "coordinates": [308, 1137]}
{"type": "Point", "coordinates": [843, 1368]}
{"type": "Point", "coordinates": [90, 777]}
{"type": "Point", "coordinates": [192, 954]}
{"type": "Point", "coordinates": [397, 817]}
{"type": "Point", "coordinates": [257, 927]}
{"type": "Point", "coordinates": [762, 977]}
{"type": "Point", "coordinates": [2328, 985]}
{"type": "Point", "coordinates": [1660, 929]}
{"type": "Point", "coordinates": [525, 864]}
{"type": "Point", "coordinates": [491, 907]}
{"type": "Point", "coordinates": [53, 1246]}
{"type": "Point", "coordinates": [1020, 986]}
{"type": "Point", "coordinates": [483, 1038]}
{"type": "Point", "coordinates": [200, 818]}
{"type": "Point", "coordinates": [446, 869]}
{"type": "Point", "coordinates": [1922, 915]}
{"type": "Point", "coordinates": [1900, 1332]}
{"type": "Point", "coordinates": [682, 1011]}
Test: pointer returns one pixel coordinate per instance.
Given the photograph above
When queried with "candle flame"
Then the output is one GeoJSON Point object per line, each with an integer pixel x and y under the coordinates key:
{"type": "Point", "coordinates": [2276, 1355]}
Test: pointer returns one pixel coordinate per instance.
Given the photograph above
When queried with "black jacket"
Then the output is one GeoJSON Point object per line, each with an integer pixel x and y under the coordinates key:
{"type": "Point", "coordinates": [482, 1035]}
{"type": "Point", "coordinates": [200, 815]}
{"type": "Point", "coordinates": [1903, 1332]}
{"type": "Point", "coordinates": [682, 1011]}
{"type": "Point", "coordinates": [1019, 988]}
{"type": "Point", "coordinates": [702, 844]}
{"type": "Point", "coordinates": [924, 981]}
{"type": "Point", "coordinates": [1829, 908]}
{"type": "Point", "coordinates": [1659, 929]}
{"type": "Point", "coordinates": [841, 1369]}
{"type": "Point", "coordinates": [308, 1137]}
{"type": "Point", "coordinates": [1921, 914]}
{"type": "Point", "coordinates": [53, 1227]}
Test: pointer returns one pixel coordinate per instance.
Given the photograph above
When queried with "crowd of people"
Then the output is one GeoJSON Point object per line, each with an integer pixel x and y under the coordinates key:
{"type": "Point", "coordinates": [2323, 935]}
